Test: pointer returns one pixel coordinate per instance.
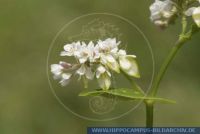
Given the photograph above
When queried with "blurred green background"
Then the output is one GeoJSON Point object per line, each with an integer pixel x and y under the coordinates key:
{"type": "Point", "coordinates": [27, 105]}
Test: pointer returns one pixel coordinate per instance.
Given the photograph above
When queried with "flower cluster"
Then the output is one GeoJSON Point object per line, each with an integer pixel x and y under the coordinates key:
{"type": "Point", "coordinates": [95, 61]}
{"type": "Point", "coordinates": [164, 12]}
{"type": "Point", "coordinates": [195, 13]}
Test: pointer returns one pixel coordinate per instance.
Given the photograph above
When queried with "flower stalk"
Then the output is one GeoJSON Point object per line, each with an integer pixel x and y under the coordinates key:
{"type": "Point", "coordinates": [183, 38]}
{"type": "Point", "coordinates": [149, 113]}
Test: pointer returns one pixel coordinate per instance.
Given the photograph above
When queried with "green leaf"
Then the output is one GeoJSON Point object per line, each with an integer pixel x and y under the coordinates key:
{"type": "Point", "coordinates": [123, 94]}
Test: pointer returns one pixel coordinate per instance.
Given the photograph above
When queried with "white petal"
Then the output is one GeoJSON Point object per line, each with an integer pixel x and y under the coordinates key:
{"type": "Point", "coordinates": [196, 16]}
{"type": "Point", "coordinates": [64, 82]}
{"type": "Point", "coordinates": [91, 45]}
{"type": "Point", "coordinates": [112, 63]}
{"type": "Point", "coordinates": [109, 74]}
{"type": "Point", "coordinates": [122, 52]}
{"type": "Point", "coordinates": [56, 69]}
{"type": "Point", "coordinates": [82, 60]}
{"type": "Point", "coordinates": [66, 76]}
{"type": "Point", "coordinates": [56, 77]}
{"type": "Point", "coordinates": [83, 44]}
{"type": "Point", "coordinates": [104, 81]}
{"type": "Point", "coordinates": [103, 59]}
{"type": "Point", "coordinates": [101, 69]}
{"type": "Point", "coordinates": [190, 11]}
{"type": "Point", "coordinates": [133, 56]}
{"type": "Point", "coordinates": [77, 54]}
{"type": "Point", "coordinates": [114, 50]}
{"type": "Point", "coordinates": [129, 65]}
{"type": "Point", "coordinates": [89, 74]}
{"type": "Point", "coordinates": [162, 11]}
{"type": "Point", "coordinates": [64, 53]}
{"type": "Point", "coordinates": [155, 16]}
{"type": "Point", "coordinates": [78, 44]}
{"type": "Point", "coordinates": [98, 74]}
{"type": "Point", "coordinates": [68, 48]}
{"type": "Point", "coordinates": [118, 43]}
{"type": "Point", "coordinates": [161, 23]}
{"type": "Point", "coordinates": [124, 63]}
{"type": "Point", "coordinates": [81, 70]}
{"type": "Point", "coordinates": [110, 58]}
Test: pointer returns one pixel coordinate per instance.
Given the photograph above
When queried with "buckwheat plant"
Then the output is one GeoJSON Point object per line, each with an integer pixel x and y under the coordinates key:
{"type": "Point", "coordinates": [99, 60]}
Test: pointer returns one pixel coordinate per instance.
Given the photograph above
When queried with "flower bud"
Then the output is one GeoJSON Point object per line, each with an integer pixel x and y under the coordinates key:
{"type": "Point", "coordinates": [129, 65]}
{"type": "Point", "coordinates": [103, 77]}
{"type": "Point", "coordinates": [111, 62]}
{"type": "Point", "coordinates": [196, 16]}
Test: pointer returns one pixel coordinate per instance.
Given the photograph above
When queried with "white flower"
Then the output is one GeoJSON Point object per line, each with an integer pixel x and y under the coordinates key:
{"type": "Point", "coordinates": [87, 53]}
{"type": "Point", "coordinates": [100, 58]}
{"type": "Point", "coordinates": [84, 70]}
{"type": "Point", "coordinates": [108, 45]}
{"type": "Point", "coordinates": [93, 52]}
{"type": "Point", "coordinates": [162, 12]}
{"type": "Point", "coordinates": [196, 16]}
{"type": "Point", "coordinates": [109, 61]}
{"type": "Point", "coordinates": [195, 13]}
{"type": "Point", "coordinates": [121, 52]}
{"type": "Point", "coordinates": [58, 71]}
{"type": "Point", "coordinates": [103, 77]}
{"type": "Point", "coordinates": [129, 65]}
{"type": "Point", "coordinates": [101, 70]}
{"type": "Point", "coordinates": [65, 79]}
{"type": "Point", "coordinates": [70, 49]}
{"type": "Point", "coordinates": [83, 53]}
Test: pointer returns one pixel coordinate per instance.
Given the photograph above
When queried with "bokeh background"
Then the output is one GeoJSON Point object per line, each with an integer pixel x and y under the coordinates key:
{"type": "Point", "coordinates": [27, 105]}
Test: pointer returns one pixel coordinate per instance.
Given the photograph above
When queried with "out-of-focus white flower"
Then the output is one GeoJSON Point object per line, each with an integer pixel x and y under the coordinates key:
{"type": "Point", "coordinates": [70, 49]}
{"type": "Point", "coordinates": [58, 71]}
{"type": "Point", "coordinates": [65, 79]}
{"type": "Point", "coordinates": [162, 12]}
{"type": "Point", "coordinates": [195, 13]}
{"type": "Point", "coordinates": [100, 58]}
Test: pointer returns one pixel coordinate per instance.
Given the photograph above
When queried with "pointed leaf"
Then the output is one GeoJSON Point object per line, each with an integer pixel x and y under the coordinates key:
{"type": "Point", "coordinates": [123, 94]}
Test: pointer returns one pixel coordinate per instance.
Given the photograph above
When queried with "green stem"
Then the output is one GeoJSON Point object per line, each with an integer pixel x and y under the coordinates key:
{"type": "Point", "coordinates": [134, 86]}
{"type": "Point", "coordinates": [165, 66]}
{"type": "Point", "coordinates": [184, 37]}
{"type": "Point", "coordinates": [149, 113]}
